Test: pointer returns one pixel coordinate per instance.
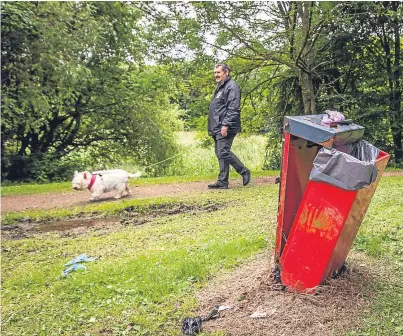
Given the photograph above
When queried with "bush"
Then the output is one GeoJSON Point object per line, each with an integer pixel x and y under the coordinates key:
{"type": "Point", "coordinates": [272, 160]}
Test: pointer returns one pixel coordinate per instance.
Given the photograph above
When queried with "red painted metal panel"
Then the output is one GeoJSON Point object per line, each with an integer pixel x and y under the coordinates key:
{"type": "Point", "coordinates": [323, 231]}
{"type": "Point", "coordinates": [281, 201]}
{"type": "Point", "coordinates": [296, 165]}
{"type": "Point", "coordinates": [354, 220]}
{"type": "Point", "coordinates": [317, 222]}
{"type": "Point", "coordinates": [314, 234]}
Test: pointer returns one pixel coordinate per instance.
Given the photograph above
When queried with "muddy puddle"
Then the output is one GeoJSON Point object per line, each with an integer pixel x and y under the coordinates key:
{"type": "Point", "coordinates": [72, 224]}
{"type": "Point", "coordinates": [64, 227]}
{"type": "Point", "coordinates": [129, 216]}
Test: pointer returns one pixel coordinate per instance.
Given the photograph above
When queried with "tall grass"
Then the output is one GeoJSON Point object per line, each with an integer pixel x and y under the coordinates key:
{"type": "Point", "coordinates": [197, 160]}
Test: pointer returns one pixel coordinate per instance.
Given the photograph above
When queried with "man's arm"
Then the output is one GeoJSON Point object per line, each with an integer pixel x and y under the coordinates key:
{"type": "Point", "coordinates": [233, 106]}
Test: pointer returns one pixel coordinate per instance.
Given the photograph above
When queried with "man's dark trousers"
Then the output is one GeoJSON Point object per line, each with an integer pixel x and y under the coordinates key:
{"type": "Point", "coordinates": [226, 157]}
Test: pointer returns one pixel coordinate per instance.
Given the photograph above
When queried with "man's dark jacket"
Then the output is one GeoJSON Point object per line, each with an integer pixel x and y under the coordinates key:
{"type": "Point", "coordinates": [225, 108]}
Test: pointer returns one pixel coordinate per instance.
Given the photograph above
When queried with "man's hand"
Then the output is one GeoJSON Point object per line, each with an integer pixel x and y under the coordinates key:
{"type": "Point", "coordinates": [224, 130]}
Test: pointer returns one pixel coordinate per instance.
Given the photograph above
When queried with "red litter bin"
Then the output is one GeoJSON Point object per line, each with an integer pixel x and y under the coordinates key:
{"type": "Point", "coordinates": [328, 178]}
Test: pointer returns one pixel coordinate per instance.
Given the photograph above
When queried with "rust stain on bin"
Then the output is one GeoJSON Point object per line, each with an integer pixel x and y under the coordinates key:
{"type": "Point", "coordinates": [326, 221]}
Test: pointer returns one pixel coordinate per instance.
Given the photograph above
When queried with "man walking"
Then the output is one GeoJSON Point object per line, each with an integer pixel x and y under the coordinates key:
{"type": "Point", "coordinates": [224, 122]}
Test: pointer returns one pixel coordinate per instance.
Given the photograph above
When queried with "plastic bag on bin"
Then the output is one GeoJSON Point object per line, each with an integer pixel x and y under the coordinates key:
{"type": "Point", "coordinates": [330, 117]}
{"type": "Point", "coordinates": [350, 167]}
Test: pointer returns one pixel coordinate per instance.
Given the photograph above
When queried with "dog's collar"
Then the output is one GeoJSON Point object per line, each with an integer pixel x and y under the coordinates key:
{"type": "Point", "coordinates": [93, 178]}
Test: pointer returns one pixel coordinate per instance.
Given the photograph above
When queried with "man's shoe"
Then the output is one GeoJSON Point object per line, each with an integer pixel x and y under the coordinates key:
{"type": "Point", "coordinates": [246, 178]}
{"type": "Point", "coordinates": [217, 186]}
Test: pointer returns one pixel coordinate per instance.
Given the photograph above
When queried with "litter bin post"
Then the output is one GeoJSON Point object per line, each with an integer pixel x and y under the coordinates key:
{"type": "Point", "coordinates": [317, 222]}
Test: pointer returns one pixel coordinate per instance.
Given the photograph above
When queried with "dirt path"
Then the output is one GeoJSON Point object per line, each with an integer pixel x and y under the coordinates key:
{"type": "Point", "coordinates": [334, 310]}
{"type": "Point", "coordinates": [64, 200]}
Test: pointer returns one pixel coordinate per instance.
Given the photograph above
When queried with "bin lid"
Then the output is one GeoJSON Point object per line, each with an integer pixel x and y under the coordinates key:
{"type": "Point", "coordinates": [309, 127]}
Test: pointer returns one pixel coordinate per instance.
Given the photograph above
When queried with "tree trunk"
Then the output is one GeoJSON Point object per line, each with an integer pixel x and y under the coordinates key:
{"type": "Point", "coordinates": [396, 103]}
{"type": "Point", "coordinates": [308, 92]}
{"type": "Point", "coordinates": [395, 94]}
{"type": "Point", "coordinates": [305, 58]}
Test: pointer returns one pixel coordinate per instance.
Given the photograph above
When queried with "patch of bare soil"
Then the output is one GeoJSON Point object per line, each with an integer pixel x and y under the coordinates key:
{"type": "Point", "coordinates": [130, 216]}
{"type": "Point", "coordinates": [63, 200]}
{"type": "Point", "coordinates": [333, 310]}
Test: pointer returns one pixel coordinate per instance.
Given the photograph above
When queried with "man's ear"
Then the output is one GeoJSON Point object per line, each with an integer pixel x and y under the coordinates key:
{"type": "Point", "coordinates": [85, 175]}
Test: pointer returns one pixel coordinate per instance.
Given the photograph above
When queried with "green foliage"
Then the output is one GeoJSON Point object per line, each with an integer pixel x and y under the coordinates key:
{"type": "Point", "coordinates": [73, 78]}
{"type": "Point", "coordinates": [297, 54]}
{"type": "Point", "coordinates": [363, 77]}
{"type": "Point", "coordinates": [95, 84]}
{"type": "Point", "coordinates": [273, 153]}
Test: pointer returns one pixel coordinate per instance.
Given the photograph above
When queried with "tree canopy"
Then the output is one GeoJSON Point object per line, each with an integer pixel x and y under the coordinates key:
{"type": "Point", "coordinates": [103, 81]}
{"type": "Point", "coordinates": [73, 79]}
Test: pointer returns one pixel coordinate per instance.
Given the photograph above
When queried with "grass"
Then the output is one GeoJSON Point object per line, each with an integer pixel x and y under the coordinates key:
{"type": "Point", "coordinates": [381, 233]}
{"type": "Point", "coordinates": [198, 161]}
{"type": "Point", "coordinates": [381, 237]}
{"type": "Point", "coordinates": [31, 189]}
{"type": "Point", "coordinates": [145, 276]}
{"type": "Point", "coordinates": [386, 314]}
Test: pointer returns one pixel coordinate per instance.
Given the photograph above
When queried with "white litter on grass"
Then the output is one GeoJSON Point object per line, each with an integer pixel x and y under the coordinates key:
{"type": "Point", "coordinates": [258, 314]}
{"type": "Point", "coordinates": [221, 308]}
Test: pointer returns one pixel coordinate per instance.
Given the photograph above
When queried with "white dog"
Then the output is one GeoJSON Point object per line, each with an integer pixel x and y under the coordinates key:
{"type": "Point", "coordinates": [102, 181]}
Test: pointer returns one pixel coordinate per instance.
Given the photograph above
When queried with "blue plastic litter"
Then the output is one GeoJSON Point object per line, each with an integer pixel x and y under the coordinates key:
{"type": "Point", "coordinates": [73, 268]}
{"type": "Point", "coordinates": [75, 264]}
{"type": "Point", "coordinates": [81, 258]}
